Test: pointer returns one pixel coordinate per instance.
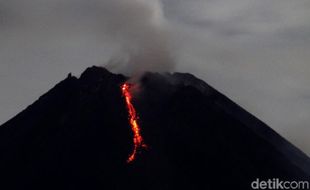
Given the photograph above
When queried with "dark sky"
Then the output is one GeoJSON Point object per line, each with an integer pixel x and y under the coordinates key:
{"type": "Point", "coordinates": [256, 52]}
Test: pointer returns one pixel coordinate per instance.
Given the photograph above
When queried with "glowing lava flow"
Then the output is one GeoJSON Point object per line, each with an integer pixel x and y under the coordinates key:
{"type": "Point", "coordinates": [133, 119]}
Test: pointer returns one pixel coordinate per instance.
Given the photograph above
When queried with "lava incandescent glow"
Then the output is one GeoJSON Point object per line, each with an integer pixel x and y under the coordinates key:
{"type": "Point", "coordinates": [133, 120]}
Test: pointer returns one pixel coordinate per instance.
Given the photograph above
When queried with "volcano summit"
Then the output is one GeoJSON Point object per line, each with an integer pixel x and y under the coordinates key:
{"type": "Point", "coordinates": [78, 136]}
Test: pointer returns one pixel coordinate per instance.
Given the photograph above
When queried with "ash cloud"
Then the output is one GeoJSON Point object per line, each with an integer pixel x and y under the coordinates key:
{"type": "Point", "coordinates": [141, 29]}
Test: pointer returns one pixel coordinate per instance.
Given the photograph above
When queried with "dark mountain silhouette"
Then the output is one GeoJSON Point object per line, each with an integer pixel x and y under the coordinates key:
{"type": "Point", "coordinates": [77, 136]}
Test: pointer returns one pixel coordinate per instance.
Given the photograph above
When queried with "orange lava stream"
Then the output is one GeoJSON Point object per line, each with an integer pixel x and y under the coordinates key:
{"type": "Point", "coordinates": [133, 120]}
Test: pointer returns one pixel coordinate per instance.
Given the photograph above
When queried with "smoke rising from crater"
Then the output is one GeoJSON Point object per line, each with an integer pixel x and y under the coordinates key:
{"type": "Point", "coordinates": [139, 26]}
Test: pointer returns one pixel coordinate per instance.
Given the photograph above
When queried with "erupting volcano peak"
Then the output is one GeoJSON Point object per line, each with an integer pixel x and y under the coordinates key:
{"type": "Point", "coordinates": [78, 136]}
{"type": "Point", "coordinates": [133, 120]}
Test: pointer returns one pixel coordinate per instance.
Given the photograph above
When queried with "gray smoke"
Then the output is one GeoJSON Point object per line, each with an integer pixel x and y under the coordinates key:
{"type": "Point", "coordinates": [139, 27]}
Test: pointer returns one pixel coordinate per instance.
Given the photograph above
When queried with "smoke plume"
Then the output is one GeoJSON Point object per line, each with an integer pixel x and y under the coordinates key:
{"type": "Point", "coordinates": [139, 26]}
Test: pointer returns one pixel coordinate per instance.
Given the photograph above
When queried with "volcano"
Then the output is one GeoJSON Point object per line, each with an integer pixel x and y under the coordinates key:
{"type": "Point", "coordinates": [78, 136]}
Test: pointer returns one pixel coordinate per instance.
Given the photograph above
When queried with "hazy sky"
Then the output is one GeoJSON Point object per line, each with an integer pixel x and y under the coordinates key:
{"type": "Point", "coordinates": [255, 52]}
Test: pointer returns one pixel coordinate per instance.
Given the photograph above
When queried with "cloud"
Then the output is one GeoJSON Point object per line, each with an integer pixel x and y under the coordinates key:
{"type": "Point", "coordinates": [140, 27]}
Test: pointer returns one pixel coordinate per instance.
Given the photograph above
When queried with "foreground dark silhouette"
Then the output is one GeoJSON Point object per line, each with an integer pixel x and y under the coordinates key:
{"type": "Point", "coordinates": [77, 136]}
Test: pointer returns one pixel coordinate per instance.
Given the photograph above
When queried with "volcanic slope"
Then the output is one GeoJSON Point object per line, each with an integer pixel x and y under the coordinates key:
{"type": "Point", "coordinates": [77, 136]}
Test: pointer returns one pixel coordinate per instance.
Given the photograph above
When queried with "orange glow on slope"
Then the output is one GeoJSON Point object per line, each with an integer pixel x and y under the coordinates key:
{"type": "Point", "coordinates": [133, 120]}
